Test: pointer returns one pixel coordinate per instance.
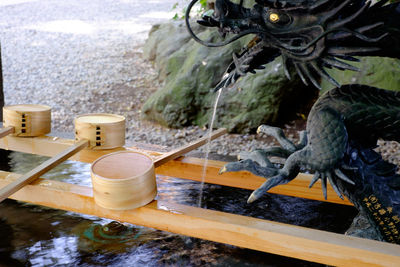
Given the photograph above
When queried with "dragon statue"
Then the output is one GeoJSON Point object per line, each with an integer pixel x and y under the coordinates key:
{"type": "Point", "coordinates": [345, 123]}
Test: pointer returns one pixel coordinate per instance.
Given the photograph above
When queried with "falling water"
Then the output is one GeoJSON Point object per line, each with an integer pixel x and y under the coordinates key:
{"type": "Point", "coordinates": [208, 147]}
{"type": "Point", "coordinates": [208, 144]}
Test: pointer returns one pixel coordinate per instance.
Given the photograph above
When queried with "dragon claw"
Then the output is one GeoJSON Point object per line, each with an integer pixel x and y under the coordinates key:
{"type": "Point", "coordinates": [329, 175]}
{"type": "Point", "coordinates": [314, 179]}
{"type": "Point", "coordinates": [251, 166]}
{"type": "Point", "coordinates": [271, 182]}
{"type": "Point", "coordinates": [258, 156]}
{"type": "Point", "coordinates": [259, 129]}
{"type": "Point", "coordinates": [334, 186]}
{"type": "Point", "coordinates": [279, 135]}
{"type": "Point", "coordinates": [324, 188]}
{"type": "Point", "coordinates": [222, 170]}
{"type": "Point", "coordinates": [252, 198]}
{"type": "Point", "coordinates": [342, 176]}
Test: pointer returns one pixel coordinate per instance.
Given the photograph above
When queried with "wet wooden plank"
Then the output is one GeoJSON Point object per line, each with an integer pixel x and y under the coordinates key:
{"type": "Point", "coordinates": [166, 157]}
{"type": "Point", "coordinates": [32, 175]}
{"type": "Point", "coordinates": [50, 146]}
{"type": "Point", "coordinates": [277, 238]}
{"type": "Point", "coordinates": [192, 169]}
{"type": "Point", "coordinates": [6, 131]}
{"type": "Point", "coordinates": [184, 167]}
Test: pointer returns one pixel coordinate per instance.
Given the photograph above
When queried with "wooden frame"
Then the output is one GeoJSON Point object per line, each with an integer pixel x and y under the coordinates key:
{"type": "Point", "coordinates": [32, 175]}
{"type": "Point", "coordinates": [262, 235]}
{"type": "Point", "coordinates": [185, 167]}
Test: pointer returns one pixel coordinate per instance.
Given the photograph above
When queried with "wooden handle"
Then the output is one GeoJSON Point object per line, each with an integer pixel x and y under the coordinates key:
{"type": "Point", "coordinates": [187, 148]}
{"type": "Point", "coordinates": [6, 131]}
{"type": "Point", "coordinates": [41, 169]}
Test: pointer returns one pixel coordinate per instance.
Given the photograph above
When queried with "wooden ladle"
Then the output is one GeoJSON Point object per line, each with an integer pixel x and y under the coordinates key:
{"type": "Point", "coordinates": [28, 120]}
{"type": "Point", "coordinates": [126, 180]}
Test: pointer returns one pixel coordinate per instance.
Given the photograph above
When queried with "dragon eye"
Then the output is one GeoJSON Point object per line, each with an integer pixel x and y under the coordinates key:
{"type": "Point", "coordinates": [273, 17]}
{"type": "Point", "coordinates": [279, 19]}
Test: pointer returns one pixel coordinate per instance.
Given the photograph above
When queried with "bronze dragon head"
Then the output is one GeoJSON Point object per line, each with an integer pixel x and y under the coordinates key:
{"type": "Point", "coordinates": [310, 35]}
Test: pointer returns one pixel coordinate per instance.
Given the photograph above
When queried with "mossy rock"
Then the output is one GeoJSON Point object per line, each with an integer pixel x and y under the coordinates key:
{"type": "Point", "coordinates": [190, 71]}
{"type": "Point", "coordinates": [374, 71]}
{"type": "Point", "coordinates": [267, 97]}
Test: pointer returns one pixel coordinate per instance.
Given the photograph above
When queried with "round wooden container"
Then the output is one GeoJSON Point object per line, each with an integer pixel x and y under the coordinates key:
{"type": "Point", "coordinates": [103, 131]}
{"type": "Point", "coordinates": [123, 180]}
{"type": "Point", "coordinates": [28, 119]}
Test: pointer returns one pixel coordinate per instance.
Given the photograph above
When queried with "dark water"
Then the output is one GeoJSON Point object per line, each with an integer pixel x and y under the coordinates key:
{"type": "Point", "coordinates": [36, 236]}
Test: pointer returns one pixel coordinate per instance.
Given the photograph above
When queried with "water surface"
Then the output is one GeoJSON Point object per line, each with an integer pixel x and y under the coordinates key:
{"type": "Point", "coordinates": [31, 235]}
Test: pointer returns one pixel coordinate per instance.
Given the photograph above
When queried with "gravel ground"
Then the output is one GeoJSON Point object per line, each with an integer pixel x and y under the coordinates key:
{"type": "Point", "coordinates": [86, 57]}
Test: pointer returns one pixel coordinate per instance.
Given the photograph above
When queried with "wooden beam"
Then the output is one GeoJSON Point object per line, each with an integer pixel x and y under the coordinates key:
{"type": "Point", "coordinates": [277, 238]}
{"type": "Point", "coordinates": [185, 168]}
{"type": "Point", "coordinates": [192, 169]}
{"type": "Point", "coordinates": [6, 131]}
{"type": "Point", "coordinates": [50, 146]}
{"type": "Point", "coordinates": [32, 175]}
{"type": "Point", "coordinates": [187, 148]}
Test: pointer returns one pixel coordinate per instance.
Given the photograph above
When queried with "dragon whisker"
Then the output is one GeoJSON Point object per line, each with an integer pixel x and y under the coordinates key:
{"type": "Point", "coordinates": [300, 73]}
{"type": "Point", "coordinates": [318, 4]}
{"type": "Point", "coordinates": [305, 69]}
{"type": "Point", "coordinates": [333, 12]}
{"type": "Point", "coordinates": [369, 27]}
{"type": "Point", "coordinates": [324, 74]}
{"type": "Point", "coordinates": [342, 21]}
{"type": "Point", "coordinates": [285, 67]}
{"type": "Point", "coordinates": [343, 35]}
{"type": "Point", "coordinates": [351, 50]}
{"type": "Point", "coordinates": [313, 42]}
{"type": "Point", "coordinates": [331, 61]}
{"type": "Point", "coordinates": [347, 57]}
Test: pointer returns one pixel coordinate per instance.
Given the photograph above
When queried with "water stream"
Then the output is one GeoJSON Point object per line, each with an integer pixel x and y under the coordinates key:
{"type": "Point", "coordinates": [208, 147]}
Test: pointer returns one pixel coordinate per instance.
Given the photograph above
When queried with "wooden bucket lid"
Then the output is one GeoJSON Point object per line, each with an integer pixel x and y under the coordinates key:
{"type": "Point", "coordinates": [103, 130]}
{"type": "Point", "coordinates": [123, 165]}
{"type": "Point", "coordinates": [28, 108]}
{"type": "Point", "coordinates": [100, 118]}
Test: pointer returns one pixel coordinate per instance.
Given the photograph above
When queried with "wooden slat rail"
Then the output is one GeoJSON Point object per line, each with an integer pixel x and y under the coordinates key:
{"type": "Point", "coordinates": [192, 168]}
{"type": "Point", "coordinates": [51, 146]}
{"type": "Point", "coordinates": [187, 148]}
{"type": "Point", "coordinates": [32, 175]}
{"type": "Point", "coordinates": [185, 168]}
{"type": "Point", "coordinates": [287, 240]}
{"type": "Point", "coordinates": [6, 131]}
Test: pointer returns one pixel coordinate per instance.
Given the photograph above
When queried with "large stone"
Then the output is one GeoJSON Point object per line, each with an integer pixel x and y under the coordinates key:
{"type": "Point", "coordinates": [190, 71]}
{"type": "Point", "coordinates": [164, 40]}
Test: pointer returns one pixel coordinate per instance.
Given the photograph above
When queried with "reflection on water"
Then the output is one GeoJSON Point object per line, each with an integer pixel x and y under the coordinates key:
{"type": "Point", "coordinates": [59, 250]}
{"type": "Point", "coordinates": [69, 172]}
{"type": "Point", "coordinates": [37, 236]}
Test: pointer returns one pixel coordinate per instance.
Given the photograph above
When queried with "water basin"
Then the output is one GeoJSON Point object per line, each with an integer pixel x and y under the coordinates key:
{"type": "Point", "coordinates": [31, 235]}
